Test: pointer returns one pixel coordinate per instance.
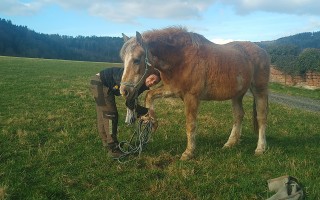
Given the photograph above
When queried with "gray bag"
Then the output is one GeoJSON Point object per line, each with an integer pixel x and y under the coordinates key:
{"type": "Point", "coordinates": [286, 187]}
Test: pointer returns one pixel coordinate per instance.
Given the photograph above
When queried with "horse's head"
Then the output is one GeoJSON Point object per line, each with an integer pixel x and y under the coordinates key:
{"type": "Point", "coordinates": [137, 67]}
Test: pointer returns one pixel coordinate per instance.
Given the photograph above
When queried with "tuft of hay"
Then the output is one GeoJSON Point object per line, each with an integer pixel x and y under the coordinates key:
{"type": "Point", "coordinates": [3, 193]}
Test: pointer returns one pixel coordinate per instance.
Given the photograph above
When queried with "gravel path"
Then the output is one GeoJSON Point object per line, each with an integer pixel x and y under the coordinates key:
{"type": "Point", "coordinates": [295, 102]}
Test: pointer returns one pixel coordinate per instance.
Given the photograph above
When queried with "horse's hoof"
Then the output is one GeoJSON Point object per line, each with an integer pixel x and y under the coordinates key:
{"type": "Point", "coordinates": [226, 146]}
{"type": "Point", "coordinates": [258, 152]}
{"type": "Point", "coordinates": [229, 145]}
{"type": "Point", "coordinates": [154, 123]}
{"type": "Point", "coordinates": [146, 117]}
{"type": "Point", "coordinates": [186, 156]}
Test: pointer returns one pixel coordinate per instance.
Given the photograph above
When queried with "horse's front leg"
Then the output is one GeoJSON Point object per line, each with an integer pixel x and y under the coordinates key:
{"type": "Point", "coordinates": [149, 102]}
{"type": "Point", "coordinates": [155, 94]}
{"type": "Point", "coordinates": [191, 110]}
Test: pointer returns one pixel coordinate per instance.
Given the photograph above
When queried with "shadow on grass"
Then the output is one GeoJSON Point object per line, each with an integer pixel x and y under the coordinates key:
{"type": "Point", "coordinates": [175, 146]}
{"type": "Point", "coordinates": [295, 144]}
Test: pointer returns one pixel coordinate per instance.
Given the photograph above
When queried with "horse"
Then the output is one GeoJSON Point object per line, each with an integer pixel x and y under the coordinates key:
{"type": "Point", "coordinates": [193, 68]}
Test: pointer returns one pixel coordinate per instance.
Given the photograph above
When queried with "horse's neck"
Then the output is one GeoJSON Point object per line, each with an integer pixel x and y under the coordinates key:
{"type": "Point", "coordinates": [166, 59]}
{"type": "Point", "coordinates": [165, 66]}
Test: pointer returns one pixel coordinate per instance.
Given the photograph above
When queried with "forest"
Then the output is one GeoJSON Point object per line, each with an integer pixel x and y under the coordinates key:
{"type": "Point", "coordinates": [20, 41]}
{"type": "Point", "coordinates": [294, 54]}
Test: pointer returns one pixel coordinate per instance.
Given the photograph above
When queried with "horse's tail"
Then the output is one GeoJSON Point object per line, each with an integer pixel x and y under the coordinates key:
{"type": "Point", "coordinates": [254, 116]}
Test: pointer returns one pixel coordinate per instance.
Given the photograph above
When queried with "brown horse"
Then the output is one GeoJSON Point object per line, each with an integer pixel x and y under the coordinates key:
{"type": "Point", "coordinates": [193, 68]}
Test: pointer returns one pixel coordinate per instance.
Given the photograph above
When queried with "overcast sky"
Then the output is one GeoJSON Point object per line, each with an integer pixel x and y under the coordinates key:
{"type": "Point", "coordinates": [217, 20]}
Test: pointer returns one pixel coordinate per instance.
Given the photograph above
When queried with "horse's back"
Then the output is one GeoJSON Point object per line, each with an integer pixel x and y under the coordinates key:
{"type": "Point", "coordinates": [232, 68]}
{"type": "Point", "coordinates": [256, 54]}
{"type": "Point", "coordinates": [260, 60]}
{"type": "Point", "coordinates": [229, 70]}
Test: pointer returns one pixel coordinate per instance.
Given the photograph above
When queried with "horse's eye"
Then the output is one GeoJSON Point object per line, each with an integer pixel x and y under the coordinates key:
{"type": "Point", "coordinates": [136, 61]}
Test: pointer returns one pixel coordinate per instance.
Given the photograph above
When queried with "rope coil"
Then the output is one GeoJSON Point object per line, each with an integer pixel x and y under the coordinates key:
{"type": "Point", "coordinates": [138, 140]}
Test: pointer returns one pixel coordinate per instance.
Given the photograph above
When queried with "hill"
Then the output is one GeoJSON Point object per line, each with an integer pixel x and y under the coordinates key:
{"type": "Point", "coordinates": [20, 41]}
{"type": "Point", "coordinates": [295, 54]}
{"type": "Point", "coordinates": [301, 41]}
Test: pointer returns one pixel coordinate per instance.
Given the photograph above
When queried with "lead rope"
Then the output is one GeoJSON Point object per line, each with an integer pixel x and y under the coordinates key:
{"type": "Point", "coordinates": [138, 140]}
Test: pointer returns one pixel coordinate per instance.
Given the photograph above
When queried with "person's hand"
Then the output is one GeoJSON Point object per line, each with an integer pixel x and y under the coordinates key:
{"type": "Point", "coordinates": [152, 80]}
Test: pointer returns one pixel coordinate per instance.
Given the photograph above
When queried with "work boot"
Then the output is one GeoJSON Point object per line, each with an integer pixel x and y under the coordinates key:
{"type": "Point", "coordinates": [114, 150]}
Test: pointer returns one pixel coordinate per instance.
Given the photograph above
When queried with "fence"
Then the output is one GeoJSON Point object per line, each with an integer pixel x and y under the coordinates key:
{"type": "Point", "coordinates": [310, 80]}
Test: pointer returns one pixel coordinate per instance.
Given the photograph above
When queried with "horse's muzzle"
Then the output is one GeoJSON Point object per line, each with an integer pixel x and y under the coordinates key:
{"type": "Point", "coordinates": [127, 92]}
{"type": "Point", "coordinates": [124, 91]}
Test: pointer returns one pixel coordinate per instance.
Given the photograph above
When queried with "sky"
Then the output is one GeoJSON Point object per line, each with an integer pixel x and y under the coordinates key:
{"type": "Point", "coordinates": [220, 21]}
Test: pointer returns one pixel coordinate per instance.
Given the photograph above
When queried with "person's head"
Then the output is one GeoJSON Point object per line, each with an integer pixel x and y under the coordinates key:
{"type": "Point", "coordinates": [152, 80]}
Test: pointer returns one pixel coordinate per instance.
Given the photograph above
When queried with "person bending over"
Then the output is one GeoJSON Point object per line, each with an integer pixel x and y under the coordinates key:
{"type": "Point", "coordinates": [104, 87]}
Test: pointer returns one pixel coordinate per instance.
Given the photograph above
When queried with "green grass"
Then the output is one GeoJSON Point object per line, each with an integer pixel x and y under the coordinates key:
{"type": "Point", "coordinates": [294, 91]}
{"type": "Point", "coordinates": [50, 148]}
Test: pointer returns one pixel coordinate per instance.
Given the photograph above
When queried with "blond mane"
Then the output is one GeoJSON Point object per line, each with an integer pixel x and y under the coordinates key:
{"type": "Point", "coordinates": [174, 36]}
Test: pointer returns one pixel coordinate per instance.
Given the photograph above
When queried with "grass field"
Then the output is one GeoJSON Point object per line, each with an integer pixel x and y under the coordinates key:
{"type": "Point", "coordinates": [50, 148]}
{"type": "Point", "coordinates": [294, 91]}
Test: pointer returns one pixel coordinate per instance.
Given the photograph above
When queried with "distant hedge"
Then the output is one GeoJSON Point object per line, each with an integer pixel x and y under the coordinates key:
{"type": "Point", "coordinates": [309, 60]}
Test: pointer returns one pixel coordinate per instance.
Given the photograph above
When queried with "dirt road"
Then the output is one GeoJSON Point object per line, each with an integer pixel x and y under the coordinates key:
{"type": "Point", "coordinates": [295, 102]}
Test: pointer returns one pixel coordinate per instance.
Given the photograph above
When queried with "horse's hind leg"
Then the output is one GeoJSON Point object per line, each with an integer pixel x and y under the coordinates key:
{"type": "Point", "coordinates": [238, 114]}
{"type": "Point", "coordinates": [260, 117]}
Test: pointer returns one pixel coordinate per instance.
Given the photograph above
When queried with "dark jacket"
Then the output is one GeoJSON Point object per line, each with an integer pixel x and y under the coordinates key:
{"type": "Point", "coordinates": [111, 78]}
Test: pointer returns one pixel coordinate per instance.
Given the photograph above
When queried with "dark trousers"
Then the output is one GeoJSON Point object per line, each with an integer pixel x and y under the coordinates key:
{"type": "Point", "coordinates": [107, 113]}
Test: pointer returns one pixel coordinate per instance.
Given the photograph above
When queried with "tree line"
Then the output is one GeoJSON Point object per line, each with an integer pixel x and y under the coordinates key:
{"type": "Point", "coordinates": [23, 42]}
{"type": "Point", "coordinates": [295, 54]}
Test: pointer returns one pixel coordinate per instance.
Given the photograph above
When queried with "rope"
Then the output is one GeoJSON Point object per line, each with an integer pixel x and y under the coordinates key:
{"type": "Point", "coordinates": [138, 140]}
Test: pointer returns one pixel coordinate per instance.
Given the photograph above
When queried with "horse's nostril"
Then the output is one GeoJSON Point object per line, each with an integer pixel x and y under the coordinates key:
{"type": "Point", "coordinates": [124, 92]}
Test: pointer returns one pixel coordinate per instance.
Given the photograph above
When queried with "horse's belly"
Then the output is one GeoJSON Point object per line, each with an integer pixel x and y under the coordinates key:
{"type": "Point", "coordinates": [226, 90]}
{"type": "Point", "coordinates": [227, 81]}
{"type": "Point", "coordinates": [220, 96]}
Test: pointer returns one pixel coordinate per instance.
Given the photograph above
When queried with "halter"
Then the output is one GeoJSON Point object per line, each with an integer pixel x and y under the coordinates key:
{"type": "Point", "coordinates": [147, 65]}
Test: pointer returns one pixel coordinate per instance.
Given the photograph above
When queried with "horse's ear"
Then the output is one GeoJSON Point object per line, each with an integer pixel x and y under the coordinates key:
{"type": "Point", "coordinates": [125, 38]}
{"type": "Point", "coordinates": [139, 39]}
